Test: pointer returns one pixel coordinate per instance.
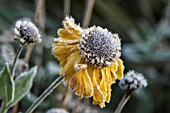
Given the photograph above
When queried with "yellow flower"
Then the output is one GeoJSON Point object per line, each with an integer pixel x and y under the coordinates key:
{"type": "Point", "coordinates": [89, 59]}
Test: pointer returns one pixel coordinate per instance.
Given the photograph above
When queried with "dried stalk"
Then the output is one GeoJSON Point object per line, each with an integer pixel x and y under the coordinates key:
{"type": "Point", "coordinates": [36, 20]}
{"type": "Point", "coordinates": [67, 7]}
{"type": "Point", "coordinates": [123, 101]}
{"type": "Point", "coordinates": [88, 12]}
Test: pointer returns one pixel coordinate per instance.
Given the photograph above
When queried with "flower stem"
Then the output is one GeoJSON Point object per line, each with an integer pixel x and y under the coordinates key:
{"type": "Point", "coordinates": [15, 60]}
{"type": "Point", "coordinates": [123, 101]}
{"type": "Point", "coordinates": [3, 108]}
{"type": "Point", "coordinates": [47, 92]}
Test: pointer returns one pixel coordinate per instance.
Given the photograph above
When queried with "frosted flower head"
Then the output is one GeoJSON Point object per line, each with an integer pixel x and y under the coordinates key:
{"type": "Point", "coordinates": [133, 80]}
{"type": "Point", "coordinates": [26, 32]}
{"type": "Point", "coordinates": [99, 47]}
{"type": "Point", "coordinates": [89, 59]}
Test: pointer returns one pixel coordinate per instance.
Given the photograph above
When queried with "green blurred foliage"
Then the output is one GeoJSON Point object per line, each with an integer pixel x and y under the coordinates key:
{"type": "Point", "coordinates": [144, 28]}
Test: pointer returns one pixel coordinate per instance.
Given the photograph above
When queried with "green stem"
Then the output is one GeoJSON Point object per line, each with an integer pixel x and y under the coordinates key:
{"type": "Point", "coordinates": [123, 101]}
{"type": "Point", "coordinates": [47, 92]}
{"type": "Point", "coordinates": [3, 108]}
{"type": "Point", "coordinates": [15, 60]}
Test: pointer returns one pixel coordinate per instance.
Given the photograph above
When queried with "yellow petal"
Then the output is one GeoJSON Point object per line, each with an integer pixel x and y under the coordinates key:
{"type": "Point", "coordinates": [98, 97]}
{"type": "Point", "coordinates": [73, 83]}
{"type": "Point", "coordinates": [110, 82]}
{"type": "Point", "coordinates": [108, 73]}
{"type": "Point", "coordinates": [68, 74]}
{"type": "Point", "coordinates": [102, 105]}
{"type": "Point", "coordinates": [114, 68]}
{"type": "Point", "coordinates": [108, 94]}
{"type": "Point", "coordinates": [63, 41]}
{"type": "Point", "coordinates": [107, 85]}
{"type": "Point", "coordinates": [87, 83]}
{"type": "Point", "coordinates": [67, 35]}
{"type": "Point", "coordinates": [75, 57]}
{"type": "Point", "coordinates": [62, 59]}
{"type": "Point", "coordinates": [120, 69]}
{"type": "Point", "coordinates": [96, 76]}
{"type": "Point", "coordinates": [84, 84]}
{"type": "Point", "coordinates": [68, 69]}
{"type": "Point", "coordinates": [90, 70]}
{"type": "Point", "coordinates": [70, 25]}
{"type": "Point", "coordinates": [76, 32]}
{"type": "Point", "coordinates": [80, 85]}
{"type": "Point", "coordinates": [60, 50]}
{"type": "Point", "coordinates": [103, 83]}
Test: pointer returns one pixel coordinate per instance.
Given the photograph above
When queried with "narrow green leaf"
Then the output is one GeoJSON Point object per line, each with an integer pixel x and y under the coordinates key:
{"type": "Point", "coordinates": [161, 55]}
{"type": "Point", "coordinates": [23, 84]}
{"type": "Point", "coordinates": [6, 85]}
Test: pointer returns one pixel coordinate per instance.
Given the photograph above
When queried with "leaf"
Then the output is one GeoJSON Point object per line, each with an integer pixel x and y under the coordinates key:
{"type": "Point", "coordinates": [6, 85]}
{"type": "Point", "coordinates": [23, 84]}
{"type": "Point", "coordinates": [161, 55]}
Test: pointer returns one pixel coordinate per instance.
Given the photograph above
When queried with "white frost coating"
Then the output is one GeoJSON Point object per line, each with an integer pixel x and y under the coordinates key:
{"type": "Point", "coordinates": [18, 24]}
{"type": "Point", "coordinates": [133, 80]}
{"type": "Point", "coordinates": [99, 47]}
{"type": "Point", "coordinates": [26, 32]}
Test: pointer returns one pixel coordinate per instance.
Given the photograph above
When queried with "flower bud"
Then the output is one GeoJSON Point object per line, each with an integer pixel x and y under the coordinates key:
{"type": "Point", "coordinates": [26, 32]}
{"type": "Point", "coordinates": [133, 80]}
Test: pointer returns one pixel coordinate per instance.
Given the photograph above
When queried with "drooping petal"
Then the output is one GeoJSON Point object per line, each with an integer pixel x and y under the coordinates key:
{"type": "Point", "coordinates": [98, 97]}
{"type": "Point", "coordinates": [103, 83]}
{"type": "Point", "coordinates": [83, 84]}
{"type": "Point", "coordinates": [120, 69]}
{"type": "Point", "coordinates": [68, 69]}
{"type": "Point", "coordinates": [113, 70]}
{"type": "Point", "coordinates": [88, 84]}
{"type": "Point", "coordinates": [108, 94]}
{"type": "Point", "coordinates": [110, 82]}
{"type": "Point", "coordinates": [106, 82]}
{"type": "Point", "coordinates": [62, 59]}
{"type": "Point", "coordinates": [73, 83]}
{"type": "Point", "coordinates": [80, 85]}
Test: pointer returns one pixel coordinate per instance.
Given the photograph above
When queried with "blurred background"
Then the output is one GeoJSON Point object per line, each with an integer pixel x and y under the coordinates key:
{"type": "Point", "coordinates": [144, 29]}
